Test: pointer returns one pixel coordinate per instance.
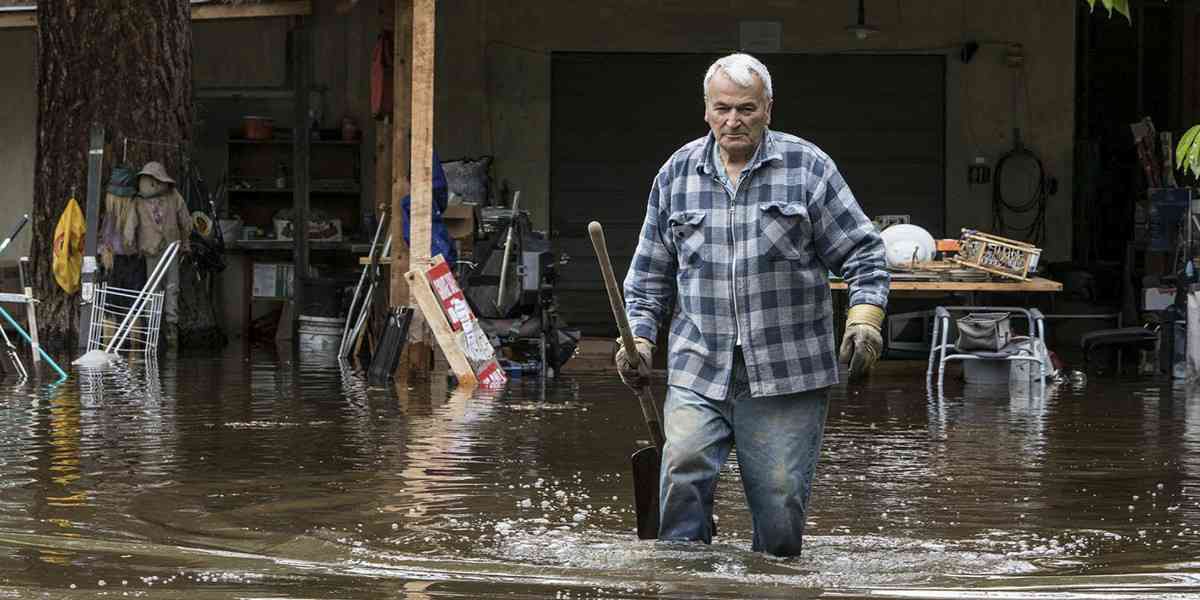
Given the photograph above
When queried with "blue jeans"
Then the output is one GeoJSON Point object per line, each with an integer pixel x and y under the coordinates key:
{"type": "Point", "coordinates": [778, 442]}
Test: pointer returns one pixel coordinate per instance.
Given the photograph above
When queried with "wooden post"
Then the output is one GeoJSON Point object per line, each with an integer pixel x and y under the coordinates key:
{"type": "Point", "coordinates": [420, 163]}
{"type": "Point", "coordinates": [301, 145]}
{"type": "Point", "coordinates": [423, 54]}
{"type": "Point", "coordinates": [401, 126]}
{"type": "Point", "coordinates": [415, 358]}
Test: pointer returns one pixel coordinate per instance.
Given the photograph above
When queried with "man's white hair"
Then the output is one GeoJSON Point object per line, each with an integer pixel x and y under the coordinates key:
{"type": "Point", "coordinates": [741, 68]}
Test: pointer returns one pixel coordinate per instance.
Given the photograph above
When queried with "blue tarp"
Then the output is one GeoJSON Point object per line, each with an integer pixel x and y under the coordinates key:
{"type": "Point", "coordinates": [442, 243]}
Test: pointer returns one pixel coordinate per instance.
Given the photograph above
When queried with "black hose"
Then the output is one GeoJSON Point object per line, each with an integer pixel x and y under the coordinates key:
{"type": "Point", "coordinates": [1035, 231]}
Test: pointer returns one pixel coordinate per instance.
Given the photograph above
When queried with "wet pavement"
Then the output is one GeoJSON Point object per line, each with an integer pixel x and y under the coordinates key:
{"type": "Point", "coordinates": [257, 477]}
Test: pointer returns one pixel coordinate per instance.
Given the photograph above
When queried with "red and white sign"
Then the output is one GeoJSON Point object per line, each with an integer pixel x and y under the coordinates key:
{"type": "Point", "coordinates": [471, 338]}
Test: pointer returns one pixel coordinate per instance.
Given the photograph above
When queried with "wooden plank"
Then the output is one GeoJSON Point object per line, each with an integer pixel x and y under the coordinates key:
{"type": "Point", "coordinates": [431, 308]}
{"type": "Point", "coordinates": [1037, 284]}
{"type": "Point", "coordinates": [423, 55]}
{"type": "Point", "coordinates": [251, 10]}
{"type": "Point", "coordinates": [18, 19]}
{"type": "Point", "coordinates": [345, 6]}
{"type": "Point", "coordinates": [200, 12]}
{"type": "Point", "coordinates": [401, 127]}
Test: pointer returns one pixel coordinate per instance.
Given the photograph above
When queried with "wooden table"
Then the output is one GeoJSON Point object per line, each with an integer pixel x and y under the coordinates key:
{"type": "Point", "coordinates": [1036, 284]}
{"type": "Point", "coordinates": [934, 289]}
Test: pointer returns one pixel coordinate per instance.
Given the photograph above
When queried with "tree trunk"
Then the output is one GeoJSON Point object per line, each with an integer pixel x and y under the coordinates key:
{"type": "Point", "coordinates": [126, 65]}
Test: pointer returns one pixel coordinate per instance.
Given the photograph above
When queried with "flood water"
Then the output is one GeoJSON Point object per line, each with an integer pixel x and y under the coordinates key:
{"type": "Point", "coordinates": [252, 476]}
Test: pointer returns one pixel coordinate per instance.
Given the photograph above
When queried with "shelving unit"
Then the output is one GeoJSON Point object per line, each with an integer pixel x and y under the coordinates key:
{"type": "Point", "coordinates": [261, 183]}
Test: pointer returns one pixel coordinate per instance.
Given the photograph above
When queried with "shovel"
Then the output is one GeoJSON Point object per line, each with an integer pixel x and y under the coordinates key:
{"type": "Point", "coordinates": [646, 461]}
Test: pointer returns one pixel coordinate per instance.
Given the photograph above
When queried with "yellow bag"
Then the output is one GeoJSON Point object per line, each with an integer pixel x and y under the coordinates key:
{"type": "Point", "coordinates": [68, 247]}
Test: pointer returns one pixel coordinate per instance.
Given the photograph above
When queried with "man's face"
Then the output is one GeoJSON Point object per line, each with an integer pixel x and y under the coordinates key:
{"type": "Point", "coordinates": [737, 115]}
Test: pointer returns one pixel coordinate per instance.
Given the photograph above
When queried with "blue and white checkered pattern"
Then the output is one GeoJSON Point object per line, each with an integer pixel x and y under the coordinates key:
{"type": "Point", "coordinates": [792, 222]}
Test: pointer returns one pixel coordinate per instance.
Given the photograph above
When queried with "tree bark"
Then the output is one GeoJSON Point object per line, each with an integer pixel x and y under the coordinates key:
{"type": "Point", "coordinates": [125, 64]}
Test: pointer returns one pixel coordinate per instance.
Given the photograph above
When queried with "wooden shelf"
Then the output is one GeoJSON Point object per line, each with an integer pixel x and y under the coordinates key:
{"type": "Point", "coordinates": [286, 245]}
{"type": "Point", "coordinates": [353, 192]}
{"type": "Point", "coordinates": [288, 142]}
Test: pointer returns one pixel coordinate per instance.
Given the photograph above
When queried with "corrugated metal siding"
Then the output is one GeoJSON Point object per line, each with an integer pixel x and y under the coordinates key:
{"type": "Point", "coordinates": [617, 117]}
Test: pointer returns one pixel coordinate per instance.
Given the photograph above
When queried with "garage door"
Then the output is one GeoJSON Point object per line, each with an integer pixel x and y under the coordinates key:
{"type": "Point", "coordinates": [617, 117]}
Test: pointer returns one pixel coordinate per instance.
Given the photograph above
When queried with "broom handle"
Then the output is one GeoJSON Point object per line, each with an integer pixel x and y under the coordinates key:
{"type": "Point", "coordinates": [512, 222]}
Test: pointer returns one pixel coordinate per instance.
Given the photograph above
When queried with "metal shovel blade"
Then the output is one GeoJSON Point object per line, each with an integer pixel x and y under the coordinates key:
{"type": "Point", "coordinates": [646, 464]}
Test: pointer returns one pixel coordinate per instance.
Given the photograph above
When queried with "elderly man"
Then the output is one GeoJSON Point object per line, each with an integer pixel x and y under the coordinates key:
{"type": "Point", "coordinates": [742, 229]}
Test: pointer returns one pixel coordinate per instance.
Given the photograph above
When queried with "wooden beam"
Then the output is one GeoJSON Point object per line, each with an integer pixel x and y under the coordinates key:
{"type": "Point", "coordinates": [401, 128]}
{"type": "Point", "coordinates": [345, 6]}
{"type": "Point", "coordinates": [415, 361]}
{"type": "Point", "coordinates": [423, 54]}
{"type": "Point", "coordinates": [448, 340]}
{"type": "Point", "coordinates": [18, 19]}
{"type": "Point", "coordinates": [252, 10]}
{"type": "Point", "coordinates": [302, 53]}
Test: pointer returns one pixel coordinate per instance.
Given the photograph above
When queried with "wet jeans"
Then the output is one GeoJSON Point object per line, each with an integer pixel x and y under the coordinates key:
{"type": "Point", "coordinates": [778, 442]}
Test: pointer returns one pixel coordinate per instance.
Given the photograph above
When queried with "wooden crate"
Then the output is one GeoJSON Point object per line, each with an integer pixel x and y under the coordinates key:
{"type": "Point", "coordinates": [997, 255]}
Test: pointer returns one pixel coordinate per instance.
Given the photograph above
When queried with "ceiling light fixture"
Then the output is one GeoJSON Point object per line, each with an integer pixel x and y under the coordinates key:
{"type": "Point", "coordinates": [860, 29]}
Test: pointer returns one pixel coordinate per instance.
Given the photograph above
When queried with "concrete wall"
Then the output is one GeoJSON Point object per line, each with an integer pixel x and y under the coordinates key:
{"type": "Point", "coordinates": [18, 121]}
{"type": "Point", "coordinates": [521, 35]}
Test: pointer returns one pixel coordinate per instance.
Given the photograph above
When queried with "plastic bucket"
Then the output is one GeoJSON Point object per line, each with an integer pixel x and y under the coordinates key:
{"type": "Point", "coordinates": [320, 335]}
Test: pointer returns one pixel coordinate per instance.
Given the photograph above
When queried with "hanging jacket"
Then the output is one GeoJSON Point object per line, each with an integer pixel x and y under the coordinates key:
{"type": "Point", "coordinates": [381, 77]}
{"type": "Point", "coordinates": [162, 220]}
{"type": "Point", "coordinates": [68, 247]}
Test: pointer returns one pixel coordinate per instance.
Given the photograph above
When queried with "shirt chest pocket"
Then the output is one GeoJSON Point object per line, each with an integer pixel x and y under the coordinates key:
{"type": "Point", "coordinates": [785, 230]}
{"type": "Point", "coordinates": [687, 233]}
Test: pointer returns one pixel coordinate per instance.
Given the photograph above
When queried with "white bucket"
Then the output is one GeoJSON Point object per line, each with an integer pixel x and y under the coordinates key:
{"type": "Point", "coordinates": [320, 334]}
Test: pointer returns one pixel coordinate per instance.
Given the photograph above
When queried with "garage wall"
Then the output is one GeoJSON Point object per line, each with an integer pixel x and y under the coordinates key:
{"type": "Point", "coordinates": [521, 35]}
{"type": "Point", "coordinates": [493, 82]}
{"type": "Point", "coordinates": [18, 120]}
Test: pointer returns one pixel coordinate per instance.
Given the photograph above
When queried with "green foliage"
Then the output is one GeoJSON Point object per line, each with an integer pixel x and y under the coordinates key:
{"type": "Point", "coordinates": [1121, 6]}
{"type": "Point", "coordinates": [1187, 154]}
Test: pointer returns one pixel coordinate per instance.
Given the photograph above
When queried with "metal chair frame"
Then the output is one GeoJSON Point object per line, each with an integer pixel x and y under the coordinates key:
{"type": "Point", "coordinates": [941, 333]}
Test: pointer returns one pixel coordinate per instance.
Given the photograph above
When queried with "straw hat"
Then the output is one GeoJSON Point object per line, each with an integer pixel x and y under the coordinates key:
{"type": "Point", "coordinates": [156, 170]}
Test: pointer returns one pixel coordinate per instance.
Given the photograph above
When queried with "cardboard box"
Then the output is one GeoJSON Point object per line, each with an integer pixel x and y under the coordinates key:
{"type": "Point", "coordinates": [460, 224]}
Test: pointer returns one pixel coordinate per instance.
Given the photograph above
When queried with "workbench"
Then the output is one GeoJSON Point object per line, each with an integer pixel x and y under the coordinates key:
{"type": "Point", "coordinates": [910, 288]}
{"type": "Point", "coordinates": [1035, 284]}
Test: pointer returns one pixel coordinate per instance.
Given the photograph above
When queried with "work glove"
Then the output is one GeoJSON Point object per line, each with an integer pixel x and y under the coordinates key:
{"type": "Point", "coordinates": [862, 341]}
{"type": "Point", "coordinates": [634, 371]}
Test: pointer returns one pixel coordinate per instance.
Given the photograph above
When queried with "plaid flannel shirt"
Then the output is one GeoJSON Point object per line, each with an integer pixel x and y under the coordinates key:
{"type": "Point", "coordinates": [793, 221]}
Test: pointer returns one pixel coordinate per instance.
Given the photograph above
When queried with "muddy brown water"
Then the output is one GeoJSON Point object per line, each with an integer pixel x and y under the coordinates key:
{"type": "Point", "coordinates": [257, 477]}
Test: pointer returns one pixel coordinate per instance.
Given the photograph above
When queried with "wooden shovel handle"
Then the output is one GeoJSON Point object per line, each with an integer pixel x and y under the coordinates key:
{"type": "Point", "coordinates": [616, 300]}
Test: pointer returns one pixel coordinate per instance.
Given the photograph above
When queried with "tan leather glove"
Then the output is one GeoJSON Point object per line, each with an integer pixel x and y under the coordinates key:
{"type": "Point", "coordinates": [635, 374]}
{"type": "Point", "coordinates": [862, 343]}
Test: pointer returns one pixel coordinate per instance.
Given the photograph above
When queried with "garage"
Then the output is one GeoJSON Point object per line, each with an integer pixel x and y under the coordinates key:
{"type": "Point", "coordinates": [616, 117]}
